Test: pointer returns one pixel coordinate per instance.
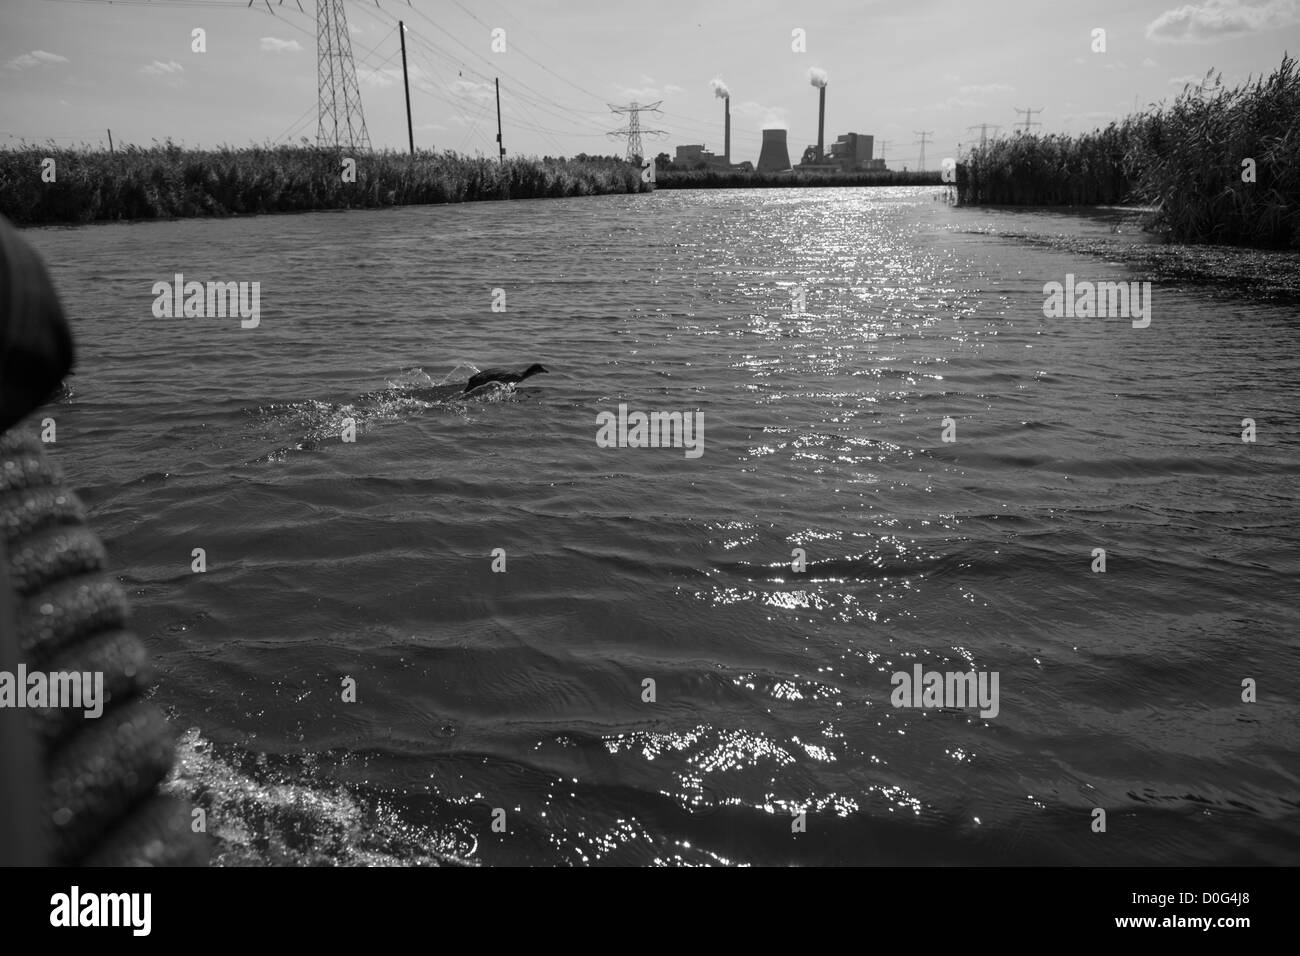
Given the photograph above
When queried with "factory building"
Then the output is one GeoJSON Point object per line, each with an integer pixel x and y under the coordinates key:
{"type": "Point", "coordinates": [693, 154]}
{"type": "Point", "coordinates": [852, 153]}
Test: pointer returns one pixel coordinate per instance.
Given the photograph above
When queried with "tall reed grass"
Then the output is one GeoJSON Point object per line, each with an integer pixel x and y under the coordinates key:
{"type": "Point", "coordinates": [166, 181]}
{"type": "Point", "coordinates": [1050, 170]}
{"type": "Point", "coordinates": [1185, 159]}
{"type": "Point", "coordinates": [1192, 158]}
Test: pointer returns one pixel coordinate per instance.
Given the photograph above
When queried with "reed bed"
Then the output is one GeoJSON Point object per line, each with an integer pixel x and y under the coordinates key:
{"type": "Point", "coordinates": [1050, 170]}
{"type": "Point", "coordinates": [166, 181]}
{"type": "Point", "coordinates": [1187, 159]}
{"type": "Point", "coordinates": [1192, 162]}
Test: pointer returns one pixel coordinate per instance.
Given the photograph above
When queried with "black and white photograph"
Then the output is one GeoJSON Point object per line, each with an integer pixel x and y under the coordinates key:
{"type": "Point", "coordinates": [530, 434]}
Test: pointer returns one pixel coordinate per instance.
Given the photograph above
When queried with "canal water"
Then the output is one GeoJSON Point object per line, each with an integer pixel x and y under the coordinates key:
{"type": "Point", "coordinates": [474, 633]}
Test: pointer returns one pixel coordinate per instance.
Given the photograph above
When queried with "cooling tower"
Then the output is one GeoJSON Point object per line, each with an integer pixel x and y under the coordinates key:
{"type": "Point", "coordinates": [774, 157]}
{"type": "Point", "coordinates": [821, 126]}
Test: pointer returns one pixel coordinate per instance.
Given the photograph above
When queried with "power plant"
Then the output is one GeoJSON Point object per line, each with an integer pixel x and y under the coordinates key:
{"type": "Point", "coordinates": [851, 152]}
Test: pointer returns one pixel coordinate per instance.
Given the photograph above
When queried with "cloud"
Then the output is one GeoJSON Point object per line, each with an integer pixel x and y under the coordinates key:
{"type": "Point", "coordinates": [1149, 64]}
{"type": "Point", "coordinates": [1186, 80]}
{"type": "Point", "coordinates": [978, 88]}
{"type": "Point", "coordinates": [35, 58]}
{"type": "Point", "coordinates": [769, 117]}
{"type": "Point", "coordinates": [386, 76]}
{"type": "Point", "coordinates": [649, 92]}
{"type": "Point", "coordinates": [480, 92]}
{"type": "Point", "coordinates": [392, 75]}
{"type": "Point", "coordinates": [159, 68]}
{"type": "Point", "coordinates": [958, 103]}
{"type": "Point", "coordinates": [1093, 119]}
{"type": "Point", "coordinates": [1208, 20]}
{"type": "Point", "coordinates": [274, 45]}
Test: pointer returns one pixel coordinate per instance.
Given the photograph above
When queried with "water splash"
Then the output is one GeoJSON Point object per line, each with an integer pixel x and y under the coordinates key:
{"type": "Point", "coordinates": [281, 811]}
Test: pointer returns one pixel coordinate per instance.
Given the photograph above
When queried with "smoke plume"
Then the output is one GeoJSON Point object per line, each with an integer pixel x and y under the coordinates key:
{"type": "Point", "coordinates": [720, 89]}
{"type": "Point", "coordinates": [817, 76]}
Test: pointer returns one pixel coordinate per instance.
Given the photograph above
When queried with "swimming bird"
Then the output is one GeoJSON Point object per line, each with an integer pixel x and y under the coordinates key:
{"type": "Point", "coordinates": [501, 375]}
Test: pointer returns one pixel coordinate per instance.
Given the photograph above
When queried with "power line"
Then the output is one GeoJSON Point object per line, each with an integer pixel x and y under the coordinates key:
{"type": "Point", "coordinates": [584, 115]}
{"type": "Point", "coordinates": [338, 90]}
{"type": "Point", "coordinates": [536, 102]}
{"type": "Point", "coordinates": [530, 59]}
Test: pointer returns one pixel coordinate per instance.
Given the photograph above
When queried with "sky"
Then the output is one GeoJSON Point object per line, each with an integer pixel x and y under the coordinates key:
{"type": "Point", "coordinates": [71, 69]}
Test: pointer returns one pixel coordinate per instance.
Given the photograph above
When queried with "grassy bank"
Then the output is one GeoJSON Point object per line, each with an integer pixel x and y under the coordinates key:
{"type": "Point", "coordinates": [167, 181]}
{"type": "Point", "coordinates": [739, 179]}
{"type": "Point", "coordinates": [1188, 159]}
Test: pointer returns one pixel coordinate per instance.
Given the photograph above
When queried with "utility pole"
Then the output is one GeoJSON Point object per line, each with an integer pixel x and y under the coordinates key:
{"type": "Point", "coordinates": [110, 140]}
{"type": "Point", "coordinates": [1029, 117]}
{"type": "Point", "coordinates": [500, 145]}
{"type": "Point", "coordinates": [406, 81]}
{"type": "Point", "coordinates": [924, 134]}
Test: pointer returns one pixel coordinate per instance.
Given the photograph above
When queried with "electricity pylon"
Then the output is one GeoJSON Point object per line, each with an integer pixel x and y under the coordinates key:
{"type": "Point", "coordinates": [634, 132]}
{"type": "Point", "coordinates": [923, 134]}
{"type": "Point", "coordinates": [1029, 117]}
{"type": "Point", "coordinates": [984, 132]}
{"type": "Point", "coordinates": [336, 82]}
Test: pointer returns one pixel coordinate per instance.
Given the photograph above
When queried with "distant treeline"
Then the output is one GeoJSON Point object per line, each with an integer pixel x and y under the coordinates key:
{"type": "Point", "coordinates": [165, 181]}
{"type": "Point", "coordinates": [1219, 165]}
{"type": "Point", "coordinates": [740, 179]}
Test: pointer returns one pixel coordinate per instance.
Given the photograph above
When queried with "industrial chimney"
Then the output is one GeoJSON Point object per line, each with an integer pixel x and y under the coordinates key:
{"type": "Point", "coordinates": [721, 92]}
{"type": "Point", "coordinates": [726, 148]}
{"type": "Point", "coordinates": [817, 77]}
{"type": "Point", "coordinates": [821, 126]}
{"type": "Point", "coordinates": [774, 157]}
